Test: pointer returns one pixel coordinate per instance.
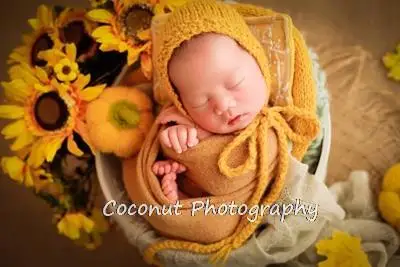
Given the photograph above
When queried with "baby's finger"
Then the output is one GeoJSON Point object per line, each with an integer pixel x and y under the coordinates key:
{"type": "Point", "coordinates": [192, 137]}
{"type": "Point", "coordinates": [164, 138]}
{"type": "Point", "coordinates": [173, 138]}
{"type": "Point", "coordinates": [182, 136]}
{"type": "Point", "coordinates": [181, 168]}
{"type": "Point", "coordinates": [155, 168]}
{"type": "Point", "coordinates": [175, 166]}
{"type": "Point", "coordinates": [167, 168]}
{"type": "Point", "coordinates": [161, 170]}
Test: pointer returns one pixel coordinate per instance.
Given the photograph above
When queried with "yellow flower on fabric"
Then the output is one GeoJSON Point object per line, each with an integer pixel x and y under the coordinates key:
{"type": "Point", "coordinates": [21, 172]}
{"type": "Point", "coordinates": [44, 36]}
{"type": "Point", "coordinates": [45, 112]}
{"type": "Point", "coordinates": [342, 250]}
{"type": "Point", "coordinates": [72, 224]}
{"type": "Point", "coordinates": [66, 71]}
{"type": "Point", "coordinates": [392, 62]}
{"type": "Point", "coordinates": [127, 30]}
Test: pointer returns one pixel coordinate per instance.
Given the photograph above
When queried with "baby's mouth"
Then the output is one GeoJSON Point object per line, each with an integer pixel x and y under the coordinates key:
{"type": "Point", "coordinates": [235, 120]}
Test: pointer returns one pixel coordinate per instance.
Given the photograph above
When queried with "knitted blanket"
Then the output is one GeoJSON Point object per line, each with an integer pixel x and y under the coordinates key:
{"type": "Point", "coordinates": [291, 240]}
{"type": "Point", "coordinates": [201, 162]}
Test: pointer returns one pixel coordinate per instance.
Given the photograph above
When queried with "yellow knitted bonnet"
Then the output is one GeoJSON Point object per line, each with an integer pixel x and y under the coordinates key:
{"type": "Point", "coordinates": [202, 16]}
{"type": "Point", "coordinates": [194, 18]}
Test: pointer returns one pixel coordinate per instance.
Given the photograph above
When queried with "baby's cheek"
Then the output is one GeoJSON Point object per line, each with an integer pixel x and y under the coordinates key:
{"type": "Point", "coordinates": [253, 98]}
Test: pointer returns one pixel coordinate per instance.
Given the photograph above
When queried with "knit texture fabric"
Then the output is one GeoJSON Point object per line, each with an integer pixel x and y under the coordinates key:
{"type": "Point", "coordinates": [295, 121]}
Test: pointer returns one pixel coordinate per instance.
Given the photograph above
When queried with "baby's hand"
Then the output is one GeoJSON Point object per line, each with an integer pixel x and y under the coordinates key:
{"type": "Point", "coordinates": [179, 137]}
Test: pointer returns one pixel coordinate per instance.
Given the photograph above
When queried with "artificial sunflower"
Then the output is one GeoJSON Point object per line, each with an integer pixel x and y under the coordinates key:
{"type": "Point", "coordinates": [126, 30]}
{"type": "Point", "coordinates": [37, 178]}
{"type": "Point", "coordinates": [19, 171]}
{"type": "Point", "coordinates": [44, 36]}
{"type": "Point", "coordinates": [45, 112]}
{"type": "Point", "coordinates": [63, 64]}
{"type": "Point", "coordinates": [74, 27]}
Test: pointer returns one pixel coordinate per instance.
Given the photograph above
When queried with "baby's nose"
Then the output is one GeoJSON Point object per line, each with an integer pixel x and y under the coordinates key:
{"type": "Point", "coordinates": [224, 105]}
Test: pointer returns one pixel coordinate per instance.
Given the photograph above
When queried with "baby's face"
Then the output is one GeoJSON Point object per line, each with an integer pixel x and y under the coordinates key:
{"type": "Point", "coordinates": [219, 83]}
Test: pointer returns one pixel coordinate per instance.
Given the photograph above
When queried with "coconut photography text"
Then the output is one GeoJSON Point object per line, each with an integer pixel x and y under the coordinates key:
{"type": "Point", "coordinates": [298, 208]}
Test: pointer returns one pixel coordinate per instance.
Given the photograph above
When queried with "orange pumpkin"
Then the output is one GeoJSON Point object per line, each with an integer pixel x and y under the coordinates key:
{"type": "Point", "coordinates": [118, 120]}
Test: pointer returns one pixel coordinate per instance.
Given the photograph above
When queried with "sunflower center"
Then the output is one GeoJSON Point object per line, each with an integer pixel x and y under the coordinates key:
{"type": "Point", "coordinates": [43, 42]}
{"type": "Point", "coordinates": [51, 112]}
{"type": "Point", "coordinates": [124, 115]}
{"type": "Point", "coordinates": [66, 70]}
{"type": "Point", "coordinates": [137, 18]}
{"type": "Point", "coordinates": [75, 32]}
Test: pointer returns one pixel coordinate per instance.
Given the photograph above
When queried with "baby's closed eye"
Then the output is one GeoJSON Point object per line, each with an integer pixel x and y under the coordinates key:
{"type": "Point", "coordinates": [199, 103]}
{"type": "Point", "coordinates": [236, 85]}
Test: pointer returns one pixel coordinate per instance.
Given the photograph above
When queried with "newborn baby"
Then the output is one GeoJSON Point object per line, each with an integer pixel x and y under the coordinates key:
{"type": "Point", "coordinates": [222, 89]}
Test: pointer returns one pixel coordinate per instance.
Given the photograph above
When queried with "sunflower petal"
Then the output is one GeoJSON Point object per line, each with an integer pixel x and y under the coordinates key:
{"type": "Point", "coordinates": [82, 81]}
{"type": "Point", "coordinates": [16, 90]}
{"type": "Point", "coordinates": [144, 35]}
{"type": "Point", "coordinates": [11, 112]}
{"type": "Point", "coordinates": [28, 179]}
{"type": "Point", "coordinates": [122, 47]}
{"type": "Point", "coordinates": [14, 129]}
{"type": "Point", "coordinates": [73, 147]}
{"type": "Point", "coordinates": [42, 75]}
{"type": "Point", "coordinates": [45, 16]}
{"type": "Point", "coordinates": [61, 87]}
{"type": "Point", "coordinates": [14, 71]}
{"type": "Point", "coordinates": [87, 224]}
{"type": "Point", "coordinates": [103, 32]}
{"type": "Point", "coordinates": [68, 227]}
{"type": "Point", "coordinates": [52, 56]}
{"type": "Point", "coordinates": [13, 166]}
{"type": "Point", "coordinates": [36, 157]}
{"type": "Point", "coordinates": [108, 47]}
{"type": "Point", "coordinates": [42, 88]}
{"type": "Point", "coordinates": [52, 147]}
{"type": "Point", "coordinates": [17, 58]}
{"type": "Point", "coordinates": [22, 141]}
{"type": "Point", "coordinates": [133, 56]}
{"type": "Point", "coordinates": [71, 52]}
{"type": "Point", "coordinates": [34, 23]}
{"type": "Point", "coordinates": [92, 93]}
{"type": "Point", "coordinates": [100, 15]}
{"type": "Point", "coordinates": [28, 76]}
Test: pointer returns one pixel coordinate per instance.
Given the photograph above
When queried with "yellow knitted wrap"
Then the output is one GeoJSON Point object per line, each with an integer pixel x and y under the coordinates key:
{"type": "Point", "coordinates": [201, 16]}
